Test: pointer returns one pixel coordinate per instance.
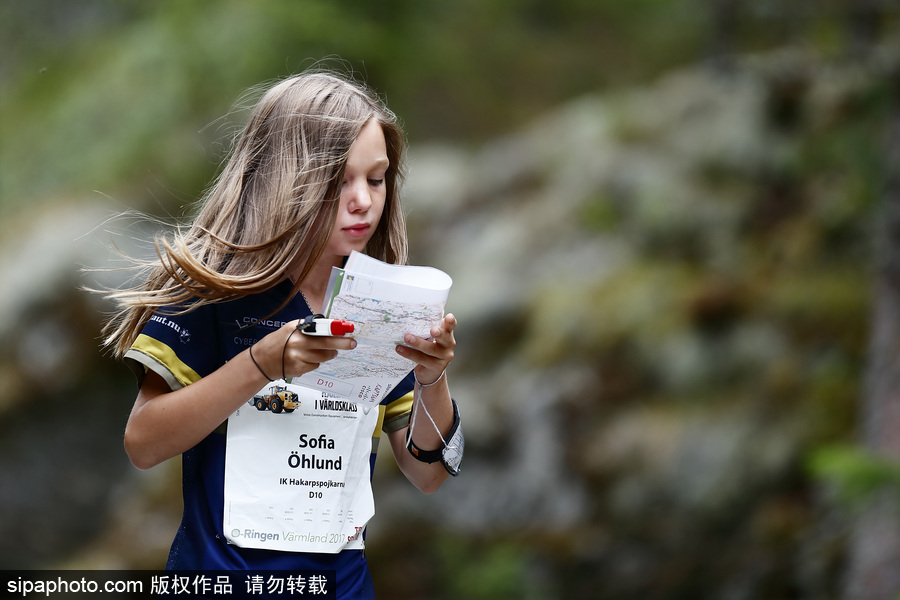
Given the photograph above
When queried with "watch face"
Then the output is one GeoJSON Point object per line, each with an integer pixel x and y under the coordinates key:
{"type": "Point", "coordinates": [453, 452]}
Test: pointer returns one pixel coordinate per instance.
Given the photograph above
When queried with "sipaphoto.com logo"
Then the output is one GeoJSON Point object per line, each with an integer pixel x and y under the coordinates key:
{"type": "Point", "coordinates": [263, 536]}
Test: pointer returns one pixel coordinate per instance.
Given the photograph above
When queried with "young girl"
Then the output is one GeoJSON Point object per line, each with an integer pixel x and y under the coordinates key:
{"type": "Point", "coordinates": [314, 175]}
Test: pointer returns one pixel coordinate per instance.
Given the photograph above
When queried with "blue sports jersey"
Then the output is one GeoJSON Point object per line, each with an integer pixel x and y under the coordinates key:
{"type": "Point", "coordinates": [183, 348]}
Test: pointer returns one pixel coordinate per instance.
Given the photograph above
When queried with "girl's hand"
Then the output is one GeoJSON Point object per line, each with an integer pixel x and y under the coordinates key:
{"type": "Point", "coordinates": [287, 352]}
{"type": "Point", "coordinates": [431, 355]}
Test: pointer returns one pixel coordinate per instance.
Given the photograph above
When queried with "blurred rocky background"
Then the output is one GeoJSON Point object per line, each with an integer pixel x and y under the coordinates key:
{"type": "Point", "coordinates": [672, 228]}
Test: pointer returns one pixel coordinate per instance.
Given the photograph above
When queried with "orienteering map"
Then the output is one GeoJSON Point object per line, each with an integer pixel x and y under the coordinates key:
{"type": "Point", "coordinates": [384, 302]}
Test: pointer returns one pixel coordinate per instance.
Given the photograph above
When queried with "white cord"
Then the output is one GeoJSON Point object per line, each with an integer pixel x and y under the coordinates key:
{"type": "Point", "coordinates": [417, 394]}
{"type": "Point", "coordinates": [425, 385]}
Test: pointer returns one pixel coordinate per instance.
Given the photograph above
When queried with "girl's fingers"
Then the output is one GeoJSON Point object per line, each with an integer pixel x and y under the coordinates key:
{"type": "Point", "coordinates": [304, 353]}
{"type": "Point", "coordinates": [431, 354]}
{"type": "Point", "coordinates": [445, 329]}
{"type": "Point", "coordinates": [450, 322]}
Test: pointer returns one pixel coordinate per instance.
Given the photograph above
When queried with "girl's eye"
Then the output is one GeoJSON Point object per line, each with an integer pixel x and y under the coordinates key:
{"type": "Point", "coordinates": [376, 182]}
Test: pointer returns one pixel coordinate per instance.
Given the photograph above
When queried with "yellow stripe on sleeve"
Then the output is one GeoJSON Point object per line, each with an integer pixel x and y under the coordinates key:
{"type": "Point", "coordinates": [396, 414]}
{"type": "Point", "coordinates": [162, 360]}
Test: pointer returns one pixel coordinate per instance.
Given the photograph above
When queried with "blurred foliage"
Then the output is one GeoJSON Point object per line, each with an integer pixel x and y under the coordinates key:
{"type": "Point", "coordinates": [98, 93]}
{"type": "Point", "coordinates": [485, 571]}
{"type": "Point", "coordinates": [856, 474]}
{"type": "Point", "coordinates": [119, 93]}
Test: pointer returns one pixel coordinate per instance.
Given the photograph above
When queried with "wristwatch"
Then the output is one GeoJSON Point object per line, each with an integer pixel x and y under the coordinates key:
{"type": "Point", "coordinates": [450, 453]}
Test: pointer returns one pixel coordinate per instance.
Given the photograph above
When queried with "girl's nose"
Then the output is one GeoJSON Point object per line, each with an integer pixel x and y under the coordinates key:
{"type": "Point", "coordinates": [359, 197]}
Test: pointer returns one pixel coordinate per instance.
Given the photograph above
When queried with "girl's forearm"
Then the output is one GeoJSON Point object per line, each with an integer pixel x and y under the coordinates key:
{"type": "Point", "coordinates": [427, 477]}
{"type": "Point", "coordinates": [165, 423]}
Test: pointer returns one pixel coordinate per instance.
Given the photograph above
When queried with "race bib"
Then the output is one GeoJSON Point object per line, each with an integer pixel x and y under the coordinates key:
{"type": "Point", "coordinates": [297, 474]}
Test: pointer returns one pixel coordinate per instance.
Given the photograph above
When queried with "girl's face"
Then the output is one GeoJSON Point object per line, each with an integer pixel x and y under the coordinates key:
{"type": "Point", "coordinates": [363, 192]}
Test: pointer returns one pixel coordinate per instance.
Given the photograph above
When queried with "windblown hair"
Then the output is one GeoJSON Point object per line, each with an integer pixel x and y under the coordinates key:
{"type": "Point", "coordinates": [272, 208]}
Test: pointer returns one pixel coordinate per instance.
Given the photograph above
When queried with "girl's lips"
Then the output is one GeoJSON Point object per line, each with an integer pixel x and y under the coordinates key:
{"type": "Point", "coordinates": [357, 230]}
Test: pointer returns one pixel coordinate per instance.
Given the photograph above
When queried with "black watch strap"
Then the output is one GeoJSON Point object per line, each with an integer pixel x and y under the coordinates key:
{"type": "Point", "coordinates": [432, 456]}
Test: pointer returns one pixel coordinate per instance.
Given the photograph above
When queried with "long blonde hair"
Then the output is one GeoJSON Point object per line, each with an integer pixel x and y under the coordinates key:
{"type": "Point", "coordinates": [271, 210]}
